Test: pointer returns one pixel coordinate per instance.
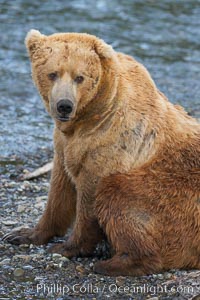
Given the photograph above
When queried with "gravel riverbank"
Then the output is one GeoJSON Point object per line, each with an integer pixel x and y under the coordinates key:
{"type": "Point", "coordinates": [29, 272]}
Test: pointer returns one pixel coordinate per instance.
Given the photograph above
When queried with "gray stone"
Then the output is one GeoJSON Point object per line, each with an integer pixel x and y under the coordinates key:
{"type": "Point", "coordinates": [5, 261]}
{"type": "Point", "coordinates": [21, 208]}
{"type": "Point", "coordinates": [18, 272]}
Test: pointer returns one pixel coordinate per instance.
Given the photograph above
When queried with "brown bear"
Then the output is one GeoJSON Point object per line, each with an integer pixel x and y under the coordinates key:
{"type": "Point", "coordinates": [126, 161]}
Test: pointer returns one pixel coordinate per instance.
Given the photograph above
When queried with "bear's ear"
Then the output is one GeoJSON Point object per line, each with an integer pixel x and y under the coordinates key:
{"type": "Point", "coordinates": [103, 50]}
{"type": "Point", "coordinates": [33, 41]}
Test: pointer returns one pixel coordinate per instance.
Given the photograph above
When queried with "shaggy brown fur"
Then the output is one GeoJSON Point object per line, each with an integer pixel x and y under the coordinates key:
{"type": "Point", "coordinates": [126, 163]}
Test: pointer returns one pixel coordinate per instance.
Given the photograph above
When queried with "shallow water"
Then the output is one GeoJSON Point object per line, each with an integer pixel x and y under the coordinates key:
{"type": "Point", "coordinates": [164, 35]}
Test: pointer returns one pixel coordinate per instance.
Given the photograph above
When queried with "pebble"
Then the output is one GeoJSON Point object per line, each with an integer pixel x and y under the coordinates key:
{"type": "Point", "coordinates": [38, 278]}
{"type": "Point", "coordinates": [120, 280]}
{"type": "Point", "coordinates": [41, 198]}
{"type": "Point", "coordinates": [56, 255]}
{"type": "Point", "coordinates": [9, 222]}
{"type": "Point", "coordinates": [21, 208]}
{"type": "Point", "coordinates": [5, 261]}
{"type": "Point", "coordinates": [37, 188]}
{"type": "Point", "coordinates": [64, 259]}
{"type": "Point", "coordinates": [168, 275]}
{"type": "Point", "coordinates": [91, 265]}
{"type": "Point", "coordinates": [160, 276]}
{"type": "Point", "coordinates": [35, 211]}
{"type": "Point", "coordinates": [80, 269]}
{"type": "Point", "coordinates": [18, 272]}
{"type": "Point", "coordinates": [79, 259]}
{"type": "Point", "coordinates": [22, 257]}
{"type": "Point", "coordinates": [40, 205]}
{"type": "Point", "coordinates": [60, 265]}
{"type": "Point", "coordinates": [2, 247]}
{"type": "Point", "coordinates": [49, 266]}
{"type": "Point", "coordinates": [22, 246]}
{"type": "Point", "coordinates": [28, 267]}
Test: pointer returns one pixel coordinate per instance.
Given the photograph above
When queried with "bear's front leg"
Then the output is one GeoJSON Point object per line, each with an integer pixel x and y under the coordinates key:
{"type": "Point", "coordinates": [86, 233]}
{"type": "Point", "coordinates": [58, 215]}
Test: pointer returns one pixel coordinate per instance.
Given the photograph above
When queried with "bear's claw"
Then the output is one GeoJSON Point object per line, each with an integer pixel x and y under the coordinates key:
{"type": "Point", "coordinates": [17, 240]}
{"type": "Point", "coordinates": [17, 237]}
{"type": "Point", "coordinates": [27, 236]}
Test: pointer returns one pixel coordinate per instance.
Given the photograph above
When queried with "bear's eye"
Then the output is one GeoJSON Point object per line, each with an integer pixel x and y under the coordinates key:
{"type": "Point", "coordinates": [53, 76]}
{"type": "Point", "coordinates": [79, 79]}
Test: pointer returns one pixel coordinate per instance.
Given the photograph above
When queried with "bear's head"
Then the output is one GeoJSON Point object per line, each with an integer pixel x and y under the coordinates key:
{"type": "Point", "coordinates": [68, 69]}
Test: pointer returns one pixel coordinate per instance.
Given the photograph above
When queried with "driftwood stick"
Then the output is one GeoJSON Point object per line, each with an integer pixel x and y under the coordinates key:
{"type": "Point", "coordinates": [38, 172]}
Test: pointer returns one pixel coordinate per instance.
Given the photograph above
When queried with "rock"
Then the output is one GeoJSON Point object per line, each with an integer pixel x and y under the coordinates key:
{"type": "Point", "coordinates": [120, 280]}
{"type": "Point", "coordinates": [56, 255]}
{"type": "Point", "coordinates": [40, 205]}
{"type": "Point", "coordinates": [52, 266]}
{"type": "Point", "coordinates": [168, 275]}
{"type": "Point", "coordinates": [28, 267]}
{"type": "Point", "coordinates": [9, 222]}
{"type": "Point", "coordinates": [26, 184]}
{"type": "Point", "coordinates": [49, 266]}
{"type": "Point", "coordinates": [22, 246]}
{"type": "Point", "coordinates": [25, 258]}
{"type": "Point", "coordinates": [41, 198]}
{"type": "Point", "coordinates": [5, 261]}
{"type": "Point", "coordinates": [79, 259]}
{"type": "Point", "coordinates": [2, 247]}
{"type": "Point", "coordinates": [21, 208]}
{"type": "Point", "coordinates": [37, 188]}
{"type": "Point", "coordinates": [18, 272]}
{"type": "Point", "coordinates": [38, 278]}
{"type": "Point", "coordinates": [64, 259]}
{"type": "Point", "coordinates": [91, 265]}
{"type": "Point", "coordinates": [160, 276]}
{"type": "Point", "coordinates": [35, 212]}
{"type": "Point", "coordinates": [80, 269]}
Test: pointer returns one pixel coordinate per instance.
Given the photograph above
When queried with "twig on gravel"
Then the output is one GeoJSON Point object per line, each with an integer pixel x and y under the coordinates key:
{"type": "Point", "coordinates": [38, 172]}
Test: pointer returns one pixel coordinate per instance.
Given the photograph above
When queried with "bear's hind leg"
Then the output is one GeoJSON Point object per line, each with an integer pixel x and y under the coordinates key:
{"type": "Point", "coordinates": [126, 265]}
{"type": "Point", "coordinates": [131, 231]}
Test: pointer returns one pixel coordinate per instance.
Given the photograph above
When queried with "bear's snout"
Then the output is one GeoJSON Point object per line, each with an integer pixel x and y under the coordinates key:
{"type": "Point", "coordinates": [64, 108]}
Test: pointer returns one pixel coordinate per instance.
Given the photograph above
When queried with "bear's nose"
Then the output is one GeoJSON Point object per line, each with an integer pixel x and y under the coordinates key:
{"type": "Point", "coordinates": [64, 106]}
